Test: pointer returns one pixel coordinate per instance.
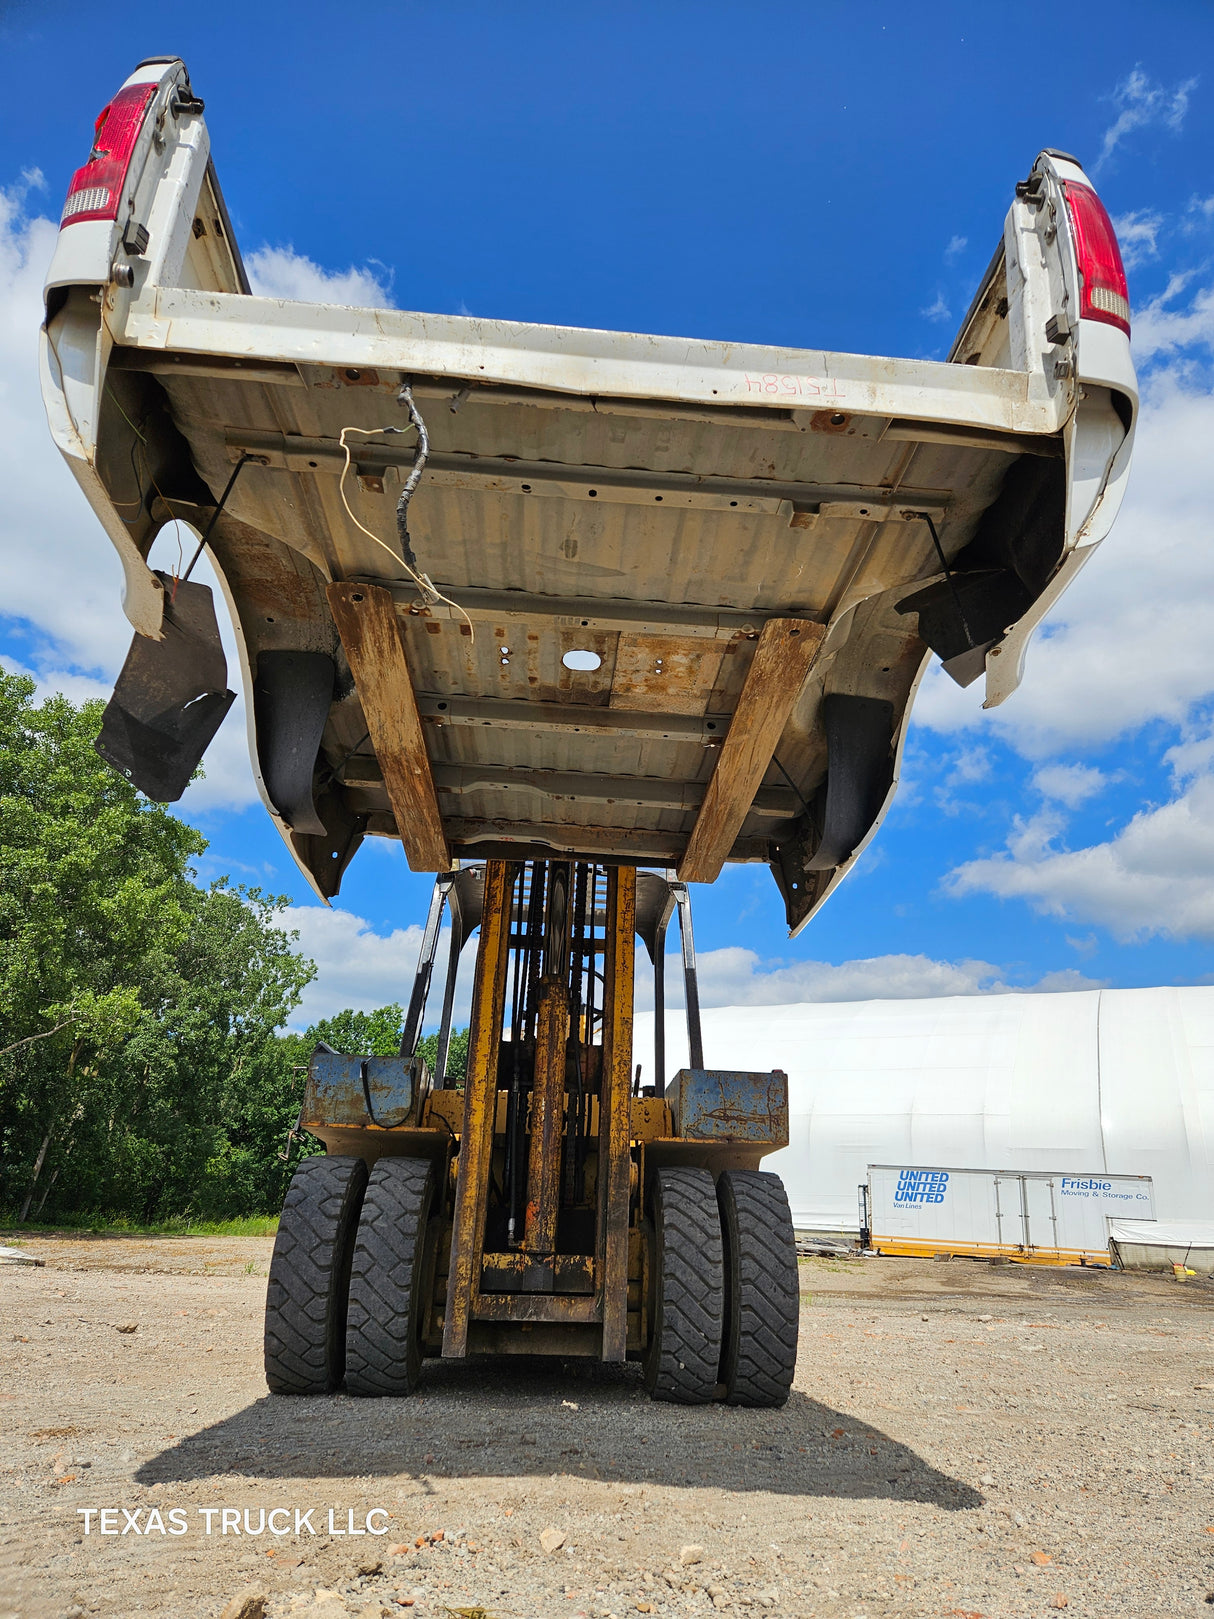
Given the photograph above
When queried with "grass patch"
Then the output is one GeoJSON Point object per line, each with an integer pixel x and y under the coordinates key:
{"type": "Point", "coordinates": [250, 1225]}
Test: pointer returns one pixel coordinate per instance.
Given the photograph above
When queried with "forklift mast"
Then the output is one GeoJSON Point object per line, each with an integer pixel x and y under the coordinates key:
{"type": "Point", "coordinates": [549, 1204]}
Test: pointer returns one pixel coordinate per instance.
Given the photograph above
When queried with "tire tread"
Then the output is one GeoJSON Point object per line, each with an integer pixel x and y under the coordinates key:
{"type": "Point", "coordinates": [685, 1347]}
{"type": "Point", "coordinates": [383, 1351]}
{"type": "Point", "coordinates": [309, 1275]}
{"type": "Point", "coordinates": [763, 1289]}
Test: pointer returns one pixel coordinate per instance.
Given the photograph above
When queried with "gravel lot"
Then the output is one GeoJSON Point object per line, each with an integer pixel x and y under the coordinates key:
{"type": "Point", "coordinates": [962, 1440]}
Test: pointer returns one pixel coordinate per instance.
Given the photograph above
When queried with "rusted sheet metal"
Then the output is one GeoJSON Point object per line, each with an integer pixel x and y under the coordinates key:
{"type": "Point", "coordinates": [615, 1160]}
{"type": "Point", "coordinates": [521, 1273]}
{"type": "Point", "coordinates": [722, 1105]}
{"type": "Point", "coordinates": [360, 1091]}
{"type": "Point", "coordinates": [557, 1307]}
{"type": "Point", "coordinates": [480, 1096]}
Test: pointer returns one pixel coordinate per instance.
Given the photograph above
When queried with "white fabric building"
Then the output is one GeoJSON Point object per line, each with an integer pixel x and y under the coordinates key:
{"type": "Point", "coordinates": [1114, 1080]}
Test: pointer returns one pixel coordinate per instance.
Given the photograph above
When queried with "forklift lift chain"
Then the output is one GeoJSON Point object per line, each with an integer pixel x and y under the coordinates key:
{"type": "Point", "coordinates": [688, 1288]}
{"type": "Point", "coordinates": [762, 1290]}
{"type": "Point", "coordinates": [387, 1310]}
{"type": "Point", "coordinates": [305, 1341]}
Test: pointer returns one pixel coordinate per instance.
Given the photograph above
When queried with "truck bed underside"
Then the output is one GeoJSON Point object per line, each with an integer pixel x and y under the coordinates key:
{"type": "Point", "coordinates": [659, 538]}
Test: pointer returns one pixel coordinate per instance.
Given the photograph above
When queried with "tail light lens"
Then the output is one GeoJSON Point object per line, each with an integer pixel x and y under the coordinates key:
{"type": "Point", "coordinates": [1103, 292]}
{"type": "Point", "coordinates": [96, 188]}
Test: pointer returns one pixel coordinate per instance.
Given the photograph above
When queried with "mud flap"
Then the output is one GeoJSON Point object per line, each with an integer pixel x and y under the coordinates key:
{"type": "Point", "coordinates": [170, 699]}
{"type": "Point", "coordinates": [860, 769]}
{"type": "Point", "coordinates": [291, 700]}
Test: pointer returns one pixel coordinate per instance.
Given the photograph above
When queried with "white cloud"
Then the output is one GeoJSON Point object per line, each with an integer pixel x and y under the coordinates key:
{"type": "Point", "coordinates": [1155, 877]}
{"type": "Point", "coordinates": [1160, 330]}
{"type": "Point", "coordinates": [1138, 236]}
{"type": "Point", "coordinates": [356, 967]}
{"type": "Point", "coordinates": [1143, 103]}
{"type": "Point", "coordinates": [957, 245]}
{"type": "Point", "coordinates": [734, 976]}
{"type": "Point", "coordinates": [937, 311]}
{"type": "Point", "coordinates": [281, 272]}
{"type": "Point", "coordinates": [1071, 785]}
{"type": "Point", "coordinates": [360, 968]}
{"type": "Point", "coordinates": [1130, 641]}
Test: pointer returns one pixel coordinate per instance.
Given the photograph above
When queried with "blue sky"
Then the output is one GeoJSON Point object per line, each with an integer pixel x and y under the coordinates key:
{"type": "Point", "coordinates": [768, 172]}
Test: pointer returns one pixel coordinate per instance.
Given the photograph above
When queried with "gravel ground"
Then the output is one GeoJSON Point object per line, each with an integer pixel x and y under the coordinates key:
{"type": "Point", "coordinates": [962, 1440]}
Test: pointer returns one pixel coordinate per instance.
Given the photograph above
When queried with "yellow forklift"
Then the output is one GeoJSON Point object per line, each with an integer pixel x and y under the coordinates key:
{"type": "Point", "coordinates": [549, 1205]}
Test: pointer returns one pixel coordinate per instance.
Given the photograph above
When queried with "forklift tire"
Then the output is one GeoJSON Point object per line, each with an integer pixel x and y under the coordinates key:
{"type": "Point", "coordinates": [387, 1311]}
{"type": "Point", "coordinates": [305, 1341]}
{"type": "Point", "coordinates": [687, 1288]}
{"type": "Point", "coordinates": [762, 1288]}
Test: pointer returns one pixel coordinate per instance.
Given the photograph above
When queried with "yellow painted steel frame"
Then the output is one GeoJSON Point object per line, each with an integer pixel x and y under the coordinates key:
{"type": "Point", "coordinates": [899, 1248]}
{"type": "Point", "coordinates": [546, 1322]}
{"type": "Point", "coordinates": [480, 1109]}
{"type": "Point", "coordinates": [614, 1117]}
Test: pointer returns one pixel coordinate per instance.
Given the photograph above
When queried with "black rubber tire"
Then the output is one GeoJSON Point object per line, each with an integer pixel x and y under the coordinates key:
{"type": "Point", "coordinates": [762, 1288]}
{"type": "Point", "coordinates": [387, 1312]}
{"type": "Point", "coordinates": [305, 1339]}
{"type": "Point", "coordinates": [687, 1288]}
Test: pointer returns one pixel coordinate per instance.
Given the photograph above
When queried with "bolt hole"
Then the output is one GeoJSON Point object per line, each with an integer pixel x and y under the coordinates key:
{"type": "Point", "coordinates": [837, 419]}
{"type": "Point", "coordinates": [581, 658]}
{"type": "Point", "coordinates": [505, 661]}
{"type": "Point", "coordinates": [269, 618]}
{"type": "Point", "coordinates": [352, 373]}
{"type": "Point", "coordinates": [357, 596]}
{"type": "Point", "coordinates": [504, 650]}
{"type": "Point", "coordinates": [440, 705]}
{"type": "Point", "coordinates": [711, 726]}
{"type": "Point", "coordinates": [657, 497]}
{"type": "Point", "coordinates": [313, 463]}
{"type": "Point", "coordinates": [592, 493]}
{"type": "Point", "coordinates": [526, 488]}
{"type": "Point", "coordinates": [733, 503]}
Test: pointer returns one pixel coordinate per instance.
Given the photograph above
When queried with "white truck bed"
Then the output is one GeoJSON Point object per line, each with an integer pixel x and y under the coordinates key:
{"type": "Point", "coordinates": [737, 536]}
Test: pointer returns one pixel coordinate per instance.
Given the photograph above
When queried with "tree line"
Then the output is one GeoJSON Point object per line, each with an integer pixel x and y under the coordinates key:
{"type": "Point", "coordinates": [145, 1069]}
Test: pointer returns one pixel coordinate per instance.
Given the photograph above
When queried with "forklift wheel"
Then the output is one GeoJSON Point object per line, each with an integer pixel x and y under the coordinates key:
{"type": "Point", "coordinates": [688, 1289]}
{"type": "Point", "coordinates": [305, 1340]}
{"type": "Point", "coordinates": [762, 1289]}
{"type": "Point", "coordinates": [387, 1312]}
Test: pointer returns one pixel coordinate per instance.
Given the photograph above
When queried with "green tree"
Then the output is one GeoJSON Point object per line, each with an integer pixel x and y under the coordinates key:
{"type": "Point", "coordinates": [139, 1068]}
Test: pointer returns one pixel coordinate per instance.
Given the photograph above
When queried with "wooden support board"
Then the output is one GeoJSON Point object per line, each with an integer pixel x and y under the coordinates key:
{"type": "Point", "coordinates": [365, 616]}
{"type": "Point", "coordinates": [783, 658]}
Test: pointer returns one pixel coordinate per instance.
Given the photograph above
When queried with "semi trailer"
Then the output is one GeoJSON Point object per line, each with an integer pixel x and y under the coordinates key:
{"type": "Point", "coordinates": [578, 617]}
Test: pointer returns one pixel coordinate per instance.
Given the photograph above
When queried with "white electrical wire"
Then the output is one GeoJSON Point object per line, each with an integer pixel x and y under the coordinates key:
{"type": "Point", "coordinates": [423, 581]}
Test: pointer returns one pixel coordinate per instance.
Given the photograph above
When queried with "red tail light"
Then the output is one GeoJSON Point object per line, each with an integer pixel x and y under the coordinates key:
{"type": "Point", "coordinates": [1103, 293]}
{"type": "Point", "coordinates": [96, 188]}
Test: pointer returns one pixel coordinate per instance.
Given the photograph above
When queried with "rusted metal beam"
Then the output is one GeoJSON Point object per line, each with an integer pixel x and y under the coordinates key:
{"type": "Point", "coordinates": [575, 718]}
{"type": "Point", "coordinates": [783, 658]}
{"type": "Point", "coordinates": [370, 633]}
{"type": "Point", "coordinates": [559, 1307]}
{"type": "Point", "coordinates": [480, 1110]}
{"type": "Point", "coordinates": [614, 1117]}
{"type": "Point", "coordinates": [641, 792]}
{"type": "Point", "coordinates": [548, 1084]}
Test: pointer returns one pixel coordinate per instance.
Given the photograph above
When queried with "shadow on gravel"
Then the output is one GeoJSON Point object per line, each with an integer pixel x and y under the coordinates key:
{"type": "Point", "coordinates": [515, 1418]}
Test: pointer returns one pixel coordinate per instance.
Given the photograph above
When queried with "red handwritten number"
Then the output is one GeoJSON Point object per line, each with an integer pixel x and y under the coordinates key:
{"type": "Point", "coordinates": [772, 382]}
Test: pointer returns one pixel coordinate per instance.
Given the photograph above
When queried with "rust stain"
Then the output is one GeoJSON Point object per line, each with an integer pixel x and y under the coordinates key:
{"type": "Point", "coordinates": [664, 674]}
